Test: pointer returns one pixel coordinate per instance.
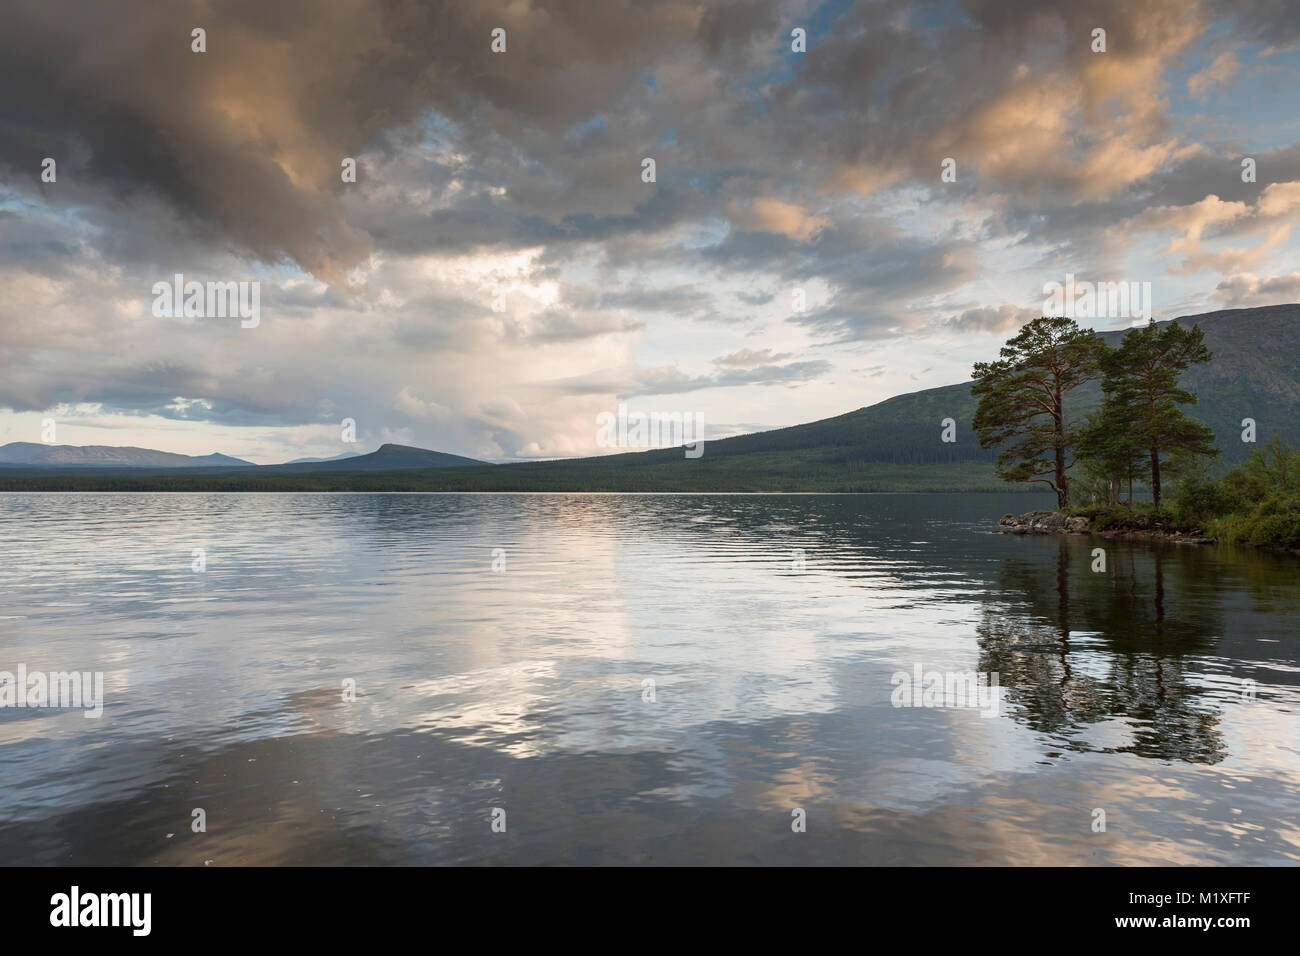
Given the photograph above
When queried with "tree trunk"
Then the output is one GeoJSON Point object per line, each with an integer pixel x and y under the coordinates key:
{"type": "Point", "coordinates": [1113, 491]}
{"type": "Point", "coordinates": [1155, 476]}
{"type": "Point", "coordinates": [1058, 426]}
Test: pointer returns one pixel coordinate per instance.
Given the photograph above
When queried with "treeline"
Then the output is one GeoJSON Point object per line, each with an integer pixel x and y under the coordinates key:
{"type": "Point", "coordinates": [751, 473]}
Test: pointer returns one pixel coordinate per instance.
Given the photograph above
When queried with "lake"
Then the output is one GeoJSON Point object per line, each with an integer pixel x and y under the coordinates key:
{"type": "Point", "coordinates": [638, 679]}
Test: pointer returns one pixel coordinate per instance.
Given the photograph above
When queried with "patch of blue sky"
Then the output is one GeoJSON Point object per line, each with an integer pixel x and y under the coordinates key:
{"type": "Point", "coordinates": [822, 23]}
{"type": "Point", "coordinates": [1254, 108]}
{"type": "Point", "coordinates": [597, 122]}
{"type": "Point", "coordinates": [439, 135]}
{"type": "Point", "coordinates": [936, 16]}
{"type": "Point", "coordinates": [668, 136]}
{"type": "Point", "coordinates": [704, 235]}
{"type": "Point", "coordinates": [278, 272]}
{"type": "Point", "coordinates": [32, 205]}
{"type": "Point", "coordinates": [786, 64]}
{"type": "Point", "coordinates": [435, 125]}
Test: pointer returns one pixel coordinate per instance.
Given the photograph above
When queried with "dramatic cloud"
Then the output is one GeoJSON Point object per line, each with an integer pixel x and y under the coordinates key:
{"type": "Point", "coordinates": [503, 268]}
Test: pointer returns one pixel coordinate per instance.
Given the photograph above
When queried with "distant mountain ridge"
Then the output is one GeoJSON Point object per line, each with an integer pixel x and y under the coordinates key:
{"type": "Point", "coordinates": [83, 459]}
{"type": "Point", "coordinates": [386, 457]}
{"type": "Point", "coordinates": [312, 461]}
{"type": "Point", "coordinates": [122, 456]}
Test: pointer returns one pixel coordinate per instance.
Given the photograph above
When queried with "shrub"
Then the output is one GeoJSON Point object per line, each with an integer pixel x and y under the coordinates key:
{"type": "Point", "coordinates": [1281, 530]}
{"type": "Point", "coordinates": [1274, 469]}
{"type": "Point", "coordinates": [1107, 518]}
{"type": "Point", "coordinates": [1197, 499]}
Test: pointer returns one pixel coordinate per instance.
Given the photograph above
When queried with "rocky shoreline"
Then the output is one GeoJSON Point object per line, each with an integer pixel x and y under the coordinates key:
{"type": "Point", "coordinates": [1136, 526]}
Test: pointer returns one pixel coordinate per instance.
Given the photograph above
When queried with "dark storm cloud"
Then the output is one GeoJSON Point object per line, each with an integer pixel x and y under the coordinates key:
{"type": "Point", "coordinates": [244, 141]}
{"type": "Point", "coordinates": [250, 134]}
{"type": "Point", "coordinates": [247, 137]}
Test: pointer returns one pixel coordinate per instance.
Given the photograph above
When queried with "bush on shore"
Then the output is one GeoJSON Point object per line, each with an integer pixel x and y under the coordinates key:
{"type": "Point", "coordinates": [1256, 503]}
{"type": "Point", "coordinates": [1141, 517]}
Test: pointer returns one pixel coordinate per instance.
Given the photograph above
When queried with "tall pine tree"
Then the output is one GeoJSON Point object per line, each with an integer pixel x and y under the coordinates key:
{"type": "Point", "coordinates": [1022, 401]}
{"type": "Point", "coordinates": [1141, 386]}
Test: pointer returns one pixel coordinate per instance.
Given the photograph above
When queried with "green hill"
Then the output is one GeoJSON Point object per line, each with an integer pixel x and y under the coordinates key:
{"type": "Point", "coordinates": [891, 446]}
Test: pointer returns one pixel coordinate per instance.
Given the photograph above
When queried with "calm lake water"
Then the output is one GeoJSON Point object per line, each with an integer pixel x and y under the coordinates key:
{"type": "Point", "coordinates": [528, 688]}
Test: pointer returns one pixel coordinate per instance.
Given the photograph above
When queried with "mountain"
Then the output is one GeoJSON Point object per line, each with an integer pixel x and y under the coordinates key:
{"type": "Point", "coordinates": [312, 461]}
{"type": "Point", "coordinates": [31, 453]}
{"type": "Point", "coordinates": [219, 459]}
{"type": "Point", "coordinates": [895, 445]}
{"type": "Point", "coordinates": [20, 457]}
{"type": "Point", "coordinates": [385, 458]}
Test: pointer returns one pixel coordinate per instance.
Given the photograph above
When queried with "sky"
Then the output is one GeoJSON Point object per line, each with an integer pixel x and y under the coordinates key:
{"type": "Point", "coordinates": [500, 273]}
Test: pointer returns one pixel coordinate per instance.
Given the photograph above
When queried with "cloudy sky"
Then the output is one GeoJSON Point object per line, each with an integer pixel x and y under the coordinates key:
{"type": "Point", "coordinates": [518, 175]}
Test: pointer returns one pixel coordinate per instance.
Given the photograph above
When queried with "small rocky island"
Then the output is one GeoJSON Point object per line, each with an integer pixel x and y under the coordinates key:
{"type": "Point", "coordinates": [1131, 526]}
{"type": "Point", "coordinates": [1043, 522]}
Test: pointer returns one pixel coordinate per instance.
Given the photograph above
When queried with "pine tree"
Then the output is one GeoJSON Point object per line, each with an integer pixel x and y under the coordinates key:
{"type": "Point", "coordinates": [1141, 383]}
{"type": "Point", "coordinates": [1022, 401]}
{"type": "Point", "coordinates": [1109, 446]}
